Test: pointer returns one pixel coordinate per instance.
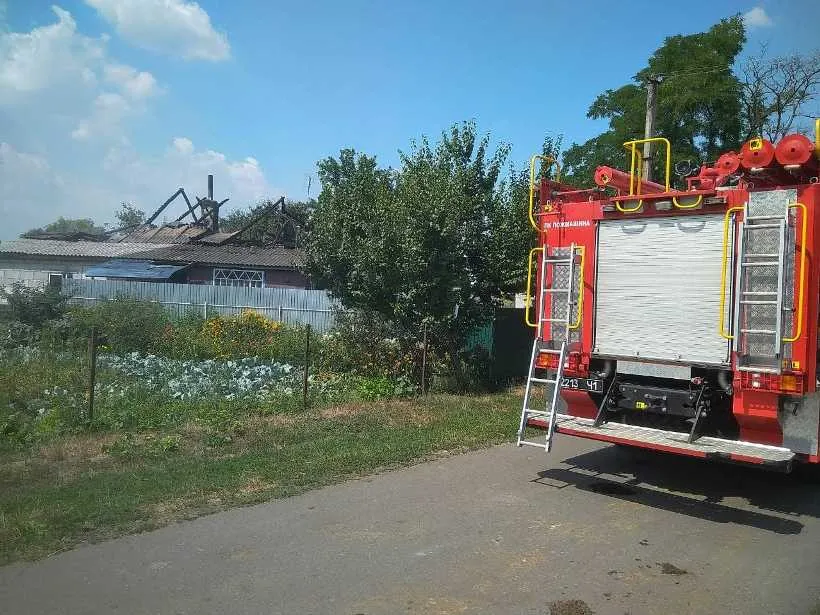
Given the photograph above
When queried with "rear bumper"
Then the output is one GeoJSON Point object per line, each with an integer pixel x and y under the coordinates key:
{"type": "Point", "coordinates": [705, 447]}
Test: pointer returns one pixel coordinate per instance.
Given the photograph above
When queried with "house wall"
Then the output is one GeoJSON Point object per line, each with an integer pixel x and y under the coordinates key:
{"type": "Point", "coordinates": [34, 271]}
{"type": "Point", "coordinates": [274, 278]}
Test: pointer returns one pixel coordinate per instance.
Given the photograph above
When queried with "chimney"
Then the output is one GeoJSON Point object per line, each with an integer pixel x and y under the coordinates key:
{"type": "Point", "coordinates": [210, 208]}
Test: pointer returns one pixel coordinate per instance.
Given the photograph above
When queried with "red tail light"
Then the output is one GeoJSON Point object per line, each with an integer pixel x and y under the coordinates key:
{"type": "Point", "coordinates": [547, 360]}
{"type": "Point", "coordinates": [775, 383]}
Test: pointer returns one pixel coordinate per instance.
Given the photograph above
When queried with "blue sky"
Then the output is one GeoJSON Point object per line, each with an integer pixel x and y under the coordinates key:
{"type": "Point", "coordinates": [109, 100]}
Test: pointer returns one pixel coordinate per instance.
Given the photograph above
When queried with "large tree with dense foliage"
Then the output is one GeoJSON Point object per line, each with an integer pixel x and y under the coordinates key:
{"type": "Point", "coordinates": [699, 102]}
{"type": "Point", "coordinates": [421, 244]}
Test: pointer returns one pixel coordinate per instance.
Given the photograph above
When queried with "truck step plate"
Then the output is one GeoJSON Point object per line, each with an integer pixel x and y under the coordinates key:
{"type": "Point", "coordinates": [674, 442]}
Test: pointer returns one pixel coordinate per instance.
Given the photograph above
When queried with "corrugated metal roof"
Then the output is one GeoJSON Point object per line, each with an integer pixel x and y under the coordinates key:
{"type": "Point", "coordinates": [182, 233]}
{"type": "Point", "coordinates": [239, 256]}
{"type": "Point", "coordinates": [218, 238]}
{"type": "Point", "coordinates": [250, 256]}
{"type": "Point", "coordinates": [54, 247]}
{"type": "Point", "coordinates": [133, 270]}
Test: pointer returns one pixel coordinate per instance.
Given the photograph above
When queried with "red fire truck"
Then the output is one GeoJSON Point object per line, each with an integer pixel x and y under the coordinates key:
{"type": "Point", "coordinates": [682, 320]}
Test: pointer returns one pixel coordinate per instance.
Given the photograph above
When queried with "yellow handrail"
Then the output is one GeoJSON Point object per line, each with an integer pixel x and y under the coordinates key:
{"type": "Point", "coordinates": [724, 262]}
{"type": "Point", "coordinates": [578, 316]}
{"type": "Point", "coordinates": [692, 206]}
{"type": "Point", "coordinates": [817, 137]}
{"type": "Point", "coordinates": [802, 274]}
{"type": "Point", "coordinates": [529, 289]}
{"type": "Point", "coordinates": [543, 159]}
{"type": "Point", "coordinates": [635, 164]}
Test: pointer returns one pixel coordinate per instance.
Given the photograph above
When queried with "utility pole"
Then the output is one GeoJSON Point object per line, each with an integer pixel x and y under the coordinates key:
{"type": "Point", "coordinates": [649, 127]}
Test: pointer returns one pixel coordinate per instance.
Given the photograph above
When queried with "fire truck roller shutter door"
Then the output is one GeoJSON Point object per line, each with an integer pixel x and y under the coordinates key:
{"type": "Point", "coordinates": [658, 289]}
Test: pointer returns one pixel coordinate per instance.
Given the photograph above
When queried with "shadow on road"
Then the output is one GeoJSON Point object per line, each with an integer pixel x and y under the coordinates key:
{"type": "Point", "coordinates": [698, 489]}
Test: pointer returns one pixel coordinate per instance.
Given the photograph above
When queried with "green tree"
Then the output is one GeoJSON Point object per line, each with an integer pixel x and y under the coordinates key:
{"type": "Point", "coordinates": [275, 223]}
{"type": "Point", "coordinates": [67, 226]}
{"type": "Point", "coordinates": [514, 236]}
{"type": "Point", "coordinates": [699, 103]}
{"type": "Point", "coordinates": [128, 216]}
{"type": "Point", "coordinates": [418, 245]}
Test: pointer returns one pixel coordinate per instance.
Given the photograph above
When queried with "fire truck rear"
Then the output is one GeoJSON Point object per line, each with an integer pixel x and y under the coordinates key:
{"type": "Point", "coordinates": [682, 320]}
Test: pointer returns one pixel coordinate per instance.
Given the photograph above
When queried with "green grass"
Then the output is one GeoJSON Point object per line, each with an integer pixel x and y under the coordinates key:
{"type": "Point", "coordinates": [92, 486]}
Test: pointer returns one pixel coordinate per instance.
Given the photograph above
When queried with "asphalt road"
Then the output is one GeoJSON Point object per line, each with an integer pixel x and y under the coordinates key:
{"type": "Point", "coordinates": [499, 531]}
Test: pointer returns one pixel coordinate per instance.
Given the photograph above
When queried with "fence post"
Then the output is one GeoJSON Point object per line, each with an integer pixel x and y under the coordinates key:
{"type": "Point", "coordinates": [307, 359]}
{"type": "Point", "coordinates": [92, 372]}
{"type": "Point", "coordinates": [205, 308]}
{"type": "Point", "coordinates": [424, 360]}
{"type": "Point", "coordinates": [280, 314]}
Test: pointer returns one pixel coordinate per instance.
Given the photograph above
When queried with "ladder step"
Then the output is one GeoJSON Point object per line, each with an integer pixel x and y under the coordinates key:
{"type": "Point", "coordinates": [762, 331]}
{"type": "Point", "coordinates": [536, 413]}
{"type": "Point", "coordinates": [760, 264]}
{"type": "Point", "coordinates": [564, 320]}
{"type": "Point", "coordinates": [755, 218]}
{"type": "Point", "coordinates": [543, 380]}
{"type": "Point", "coordinates": [555, 290]}
{"type": "Point", "coordinates": [527, 443]}
{"type": "Point", "coordinates": [549, 351]}
{"type": "Point", "coordinates": [565, 261]}
{"type": "Point", "coordinates": [761, 255]}
{"type": "Point", "coordinates": [748, 302]}
{"type": "Point", "coordinates": [759, 226]}
{"type": "Point", "coordinates": [761, 293]}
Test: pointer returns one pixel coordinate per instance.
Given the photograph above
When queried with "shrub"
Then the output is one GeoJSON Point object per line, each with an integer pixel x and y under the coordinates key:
{"type": "Point", "coordinates": [124, 324]}
{"type": "Point", "coordinates": [367, 345]}
{"type": "Point", "coordinates": [34, 306]}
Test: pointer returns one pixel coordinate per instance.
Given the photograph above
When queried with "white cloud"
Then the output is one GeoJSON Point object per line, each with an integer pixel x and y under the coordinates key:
{"type": "Point", "coordinates": [47, 57]}
{"type": "Point", "coordinates": [149, 181]}
{"type": "Point", "coordinates": [35, 193]}
{"type": "Point", "coordinates": [173, 27]}
{"type": "Point", "coordinates": [67, 108]}
{"type": "Point", "coordinates": [28, 183]}
{"type": "Point", "coordinates": [757, 18]}
{"type": "Point", "coordinates": [183, 145]}
{"type": "Point", "coordinates": [55, 72]}
{"type": "Point", "coordinates": [107, 114]}
{"type": "Point", "coordinates": [136, 84]}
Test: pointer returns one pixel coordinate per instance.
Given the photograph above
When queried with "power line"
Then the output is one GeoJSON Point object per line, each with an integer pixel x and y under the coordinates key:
{"type": "Point", "coordinates": [700, 71]}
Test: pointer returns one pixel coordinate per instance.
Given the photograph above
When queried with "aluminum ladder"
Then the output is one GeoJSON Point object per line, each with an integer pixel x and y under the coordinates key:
{"type": "Point", "coordinates": [761, 269]}
{"type": "Point", "coordinates": [551, 384]}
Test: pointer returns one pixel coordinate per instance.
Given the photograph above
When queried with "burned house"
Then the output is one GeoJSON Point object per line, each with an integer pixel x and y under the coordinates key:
{"type": "Point", "coordinates": [190, 249]}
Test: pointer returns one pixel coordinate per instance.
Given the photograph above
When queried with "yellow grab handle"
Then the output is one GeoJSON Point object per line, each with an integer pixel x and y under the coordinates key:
{"type": "Point", "coordinates": [692, 206]}
{"type": "Point", "coordinates": [799, 328]}
{"type": "Point", "coordinates": [724, 262]}
{"type": "Point", "coordinates": [579, 314]}
{"type": "Point", "coordinates": [529, 289]}
{"type": "Point", "coordinates": [544, 159]}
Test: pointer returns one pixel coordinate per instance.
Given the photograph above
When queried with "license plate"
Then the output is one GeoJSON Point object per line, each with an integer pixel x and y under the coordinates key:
{"type": "Point", "coordinates": [593, 385]}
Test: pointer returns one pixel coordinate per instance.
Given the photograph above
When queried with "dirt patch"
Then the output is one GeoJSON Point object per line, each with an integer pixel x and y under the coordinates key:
{"type": "Point", "coordinates": [570, 607]}
{"type": "Point", "coordinates": [271, 420]}
{"type": "Point", "coordinates": [343, 411]}
{"type": "Point", "coordinates": [255, 484]}
{"type": "Point", "coordinates": [667, 568]}
{"type": "Point", "coordinates": [407, 413]}
{"type": "Point", "coordinates": [166, 511]}
{"type": "Point", "coordinates": [77, 449]}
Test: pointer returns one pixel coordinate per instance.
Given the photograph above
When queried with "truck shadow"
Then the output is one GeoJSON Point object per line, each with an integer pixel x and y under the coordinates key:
{"type": "Point", "coordinates": [692, 487]}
